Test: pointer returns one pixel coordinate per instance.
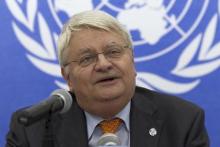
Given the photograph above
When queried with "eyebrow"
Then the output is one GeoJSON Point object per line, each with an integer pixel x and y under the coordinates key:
{"type": "Point", "coordinates": [84, 51]}
{"type": "Point", "coordinates": [89, 50]}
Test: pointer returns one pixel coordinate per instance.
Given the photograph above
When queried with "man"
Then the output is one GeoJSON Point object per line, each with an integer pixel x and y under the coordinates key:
{"type": "Point", "coordinates": [96, 58]}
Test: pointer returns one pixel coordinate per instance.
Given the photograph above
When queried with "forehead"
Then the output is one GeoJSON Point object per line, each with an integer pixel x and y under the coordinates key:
{"type": "Point", "coordinates": [93, 39]}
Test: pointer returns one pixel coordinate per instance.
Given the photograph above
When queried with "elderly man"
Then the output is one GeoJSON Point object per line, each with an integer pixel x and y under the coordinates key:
{"type": "Point", "coordinates": [96, 59]}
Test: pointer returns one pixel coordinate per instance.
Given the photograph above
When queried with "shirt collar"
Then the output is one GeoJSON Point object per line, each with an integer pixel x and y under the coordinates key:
{"type": "Point", "coordinates": [92, 120]}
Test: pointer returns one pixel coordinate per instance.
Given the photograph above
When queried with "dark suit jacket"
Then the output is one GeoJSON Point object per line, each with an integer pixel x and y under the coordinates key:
{"type": "Point", "coordinates": [177, 123]}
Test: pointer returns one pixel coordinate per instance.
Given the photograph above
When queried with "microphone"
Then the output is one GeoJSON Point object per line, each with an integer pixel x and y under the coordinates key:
{"type": "Point", "coordinates": [59, 101]}
{"type": "Point", "coordinates": [108, 139]}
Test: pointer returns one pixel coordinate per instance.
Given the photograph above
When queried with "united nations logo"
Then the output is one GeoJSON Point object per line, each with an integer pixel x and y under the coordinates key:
{"type": "Point", "coordinates": [177, 40]}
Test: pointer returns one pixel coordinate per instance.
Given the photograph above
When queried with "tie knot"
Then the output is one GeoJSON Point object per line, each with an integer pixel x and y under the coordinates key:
{"type": "Point", "coordinates": [110, 126]}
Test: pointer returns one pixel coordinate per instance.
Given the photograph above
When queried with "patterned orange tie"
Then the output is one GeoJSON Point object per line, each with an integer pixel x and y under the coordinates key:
{"type": "Point", "coordinates": [110, 126]}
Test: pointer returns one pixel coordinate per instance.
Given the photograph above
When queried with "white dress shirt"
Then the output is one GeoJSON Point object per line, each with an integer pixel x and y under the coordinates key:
{"type": "Point", "coordinates": [94, 132]}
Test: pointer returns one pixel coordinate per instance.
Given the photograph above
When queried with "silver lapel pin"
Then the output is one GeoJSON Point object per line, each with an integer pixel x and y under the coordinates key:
{"type": "Point", "coordinates": [153, 132]}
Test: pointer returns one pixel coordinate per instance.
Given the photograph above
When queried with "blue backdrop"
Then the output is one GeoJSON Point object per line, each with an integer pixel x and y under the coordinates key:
{"type": "Point", "coordinates": [176, 46]}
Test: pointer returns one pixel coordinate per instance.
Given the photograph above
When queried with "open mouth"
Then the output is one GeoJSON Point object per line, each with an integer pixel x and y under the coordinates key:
{"type": "Point", "coordinates": [107, 80]}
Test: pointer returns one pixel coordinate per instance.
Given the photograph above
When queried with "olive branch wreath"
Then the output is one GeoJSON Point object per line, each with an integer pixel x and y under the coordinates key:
{"type": "Point", "coordinates": [43, 53]}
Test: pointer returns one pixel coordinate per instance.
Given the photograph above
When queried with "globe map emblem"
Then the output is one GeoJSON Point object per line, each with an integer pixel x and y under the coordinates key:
{"type": "Point", "coordinates": [184, 42]}
{"type": "Point", "coordinates": [152, 23]}
{"type": "Point", "coordinates": [158, 28]}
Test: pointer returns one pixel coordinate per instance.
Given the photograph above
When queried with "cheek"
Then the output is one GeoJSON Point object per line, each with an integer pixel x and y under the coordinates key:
{"type": "Point", "coordinates": [128, 71]}
{"type": "Point", "coordinates": [131, 74]}
{"type": "Point", "coordinates": [129, 68]}
{"type": "Point", "coordinates": [79, 78]}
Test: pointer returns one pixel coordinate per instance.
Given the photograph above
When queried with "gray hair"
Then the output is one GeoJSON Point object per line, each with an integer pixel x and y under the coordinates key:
{"type": "Point", "coordinates": [90, 19]}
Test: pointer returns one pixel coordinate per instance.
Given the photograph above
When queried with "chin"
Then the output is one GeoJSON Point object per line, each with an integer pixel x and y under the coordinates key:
{"type": "Point", "coordinates": [107, 98]}
{"type": "Point", "coordinates": [110, 95]}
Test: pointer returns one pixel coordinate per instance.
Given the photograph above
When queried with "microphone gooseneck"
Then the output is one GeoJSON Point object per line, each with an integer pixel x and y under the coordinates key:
{"type": "Point", "coordinates": [109, 139]}
{"type": "Point", "coordinates": [59, 101]}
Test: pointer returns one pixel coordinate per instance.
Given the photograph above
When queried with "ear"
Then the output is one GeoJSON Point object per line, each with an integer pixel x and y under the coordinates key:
{"type": "Point", "coordinates": [65, 74]}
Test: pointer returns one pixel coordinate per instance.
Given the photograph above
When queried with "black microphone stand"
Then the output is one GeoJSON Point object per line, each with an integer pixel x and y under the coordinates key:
{"type": "Point", "coordinates": [48, 139]}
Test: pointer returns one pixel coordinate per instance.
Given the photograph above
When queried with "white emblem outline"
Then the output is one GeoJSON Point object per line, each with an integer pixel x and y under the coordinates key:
{"type": "Point", "coordinates": [208, 52]}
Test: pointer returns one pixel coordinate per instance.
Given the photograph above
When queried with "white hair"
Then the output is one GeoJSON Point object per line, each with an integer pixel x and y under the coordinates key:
{"type": "Point", "coordinates": [89, 19]}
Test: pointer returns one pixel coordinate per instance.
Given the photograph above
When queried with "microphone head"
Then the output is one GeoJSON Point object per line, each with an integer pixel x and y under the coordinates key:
{"type": "Point", "coordinates": [108, 139]}
{"type": "Point", "coordinates": [66, 97]}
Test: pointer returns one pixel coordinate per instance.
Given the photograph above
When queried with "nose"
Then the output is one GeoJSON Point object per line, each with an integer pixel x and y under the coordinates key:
{"type": "Point", "coordinates": [102, 63]}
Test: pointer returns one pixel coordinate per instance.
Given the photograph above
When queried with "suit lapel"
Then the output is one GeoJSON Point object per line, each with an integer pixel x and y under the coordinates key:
{"type": "Point", "coordinates": [145, 126]}
{"type": "Point", "coordinates": [71, 129]}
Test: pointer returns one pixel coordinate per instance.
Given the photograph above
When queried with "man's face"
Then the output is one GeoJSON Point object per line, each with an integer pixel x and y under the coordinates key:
{"type": "Point", "coordinates": [104, 86]}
